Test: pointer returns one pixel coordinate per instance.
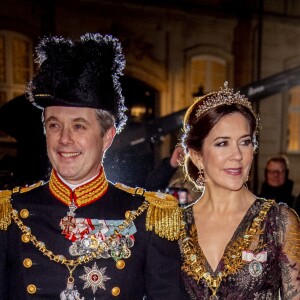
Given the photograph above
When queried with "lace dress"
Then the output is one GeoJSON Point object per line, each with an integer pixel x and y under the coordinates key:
{"type": "Point", "coordinates": [261, 262]}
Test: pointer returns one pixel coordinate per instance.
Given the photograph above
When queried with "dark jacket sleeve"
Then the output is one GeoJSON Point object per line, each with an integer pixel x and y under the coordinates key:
{"type": "Point", "coordinates": [3, 268]}
{"type": "Point", "coordinates": [160, 176]}
{"type": "Point", "coordinates": [163, 270]}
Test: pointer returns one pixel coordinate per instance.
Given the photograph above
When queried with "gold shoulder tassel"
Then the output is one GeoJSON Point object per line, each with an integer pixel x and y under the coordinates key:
{"type": "Point", "coordinates": [5, 209]}
{"type": "Point", "coordinates": [164, 216]}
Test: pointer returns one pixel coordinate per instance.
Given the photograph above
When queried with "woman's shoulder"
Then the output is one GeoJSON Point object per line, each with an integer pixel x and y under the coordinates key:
{"type": "Point", "coordinates": [287, 212]}
{"type": "Point", "coordinates": [280, 211]}
{"type": "Point", "coordinates": [282, 208]}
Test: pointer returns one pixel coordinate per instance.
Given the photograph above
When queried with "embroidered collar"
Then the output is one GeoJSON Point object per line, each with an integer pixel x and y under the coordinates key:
{"type": "Point", "coordinates": [82, 195]}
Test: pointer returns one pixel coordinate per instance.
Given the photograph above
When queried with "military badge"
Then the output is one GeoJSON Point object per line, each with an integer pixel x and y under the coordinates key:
{"type": "Point", "coordinates": [94, 278]}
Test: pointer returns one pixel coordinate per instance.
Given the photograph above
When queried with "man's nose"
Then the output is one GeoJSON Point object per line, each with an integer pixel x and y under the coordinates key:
{"type": "Point", "coordinates": [66, 136]}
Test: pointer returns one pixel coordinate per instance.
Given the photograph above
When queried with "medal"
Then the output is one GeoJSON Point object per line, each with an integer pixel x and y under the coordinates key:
{"type": "Point", "coordinates": [94, 278]}
{"type": "Point", "coordinates": [70, 292]}
{"type": "Point", "coordinates": [67, 223]}
{"type": "Point", "coordinates": [255, 268]}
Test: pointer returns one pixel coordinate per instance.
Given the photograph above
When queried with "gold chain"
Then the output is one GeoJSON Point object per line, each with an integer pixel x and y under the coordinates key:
{"type": "Point", "coordinates": [194, 267]}
{"type": "Point", "coordinates": [72, 264]}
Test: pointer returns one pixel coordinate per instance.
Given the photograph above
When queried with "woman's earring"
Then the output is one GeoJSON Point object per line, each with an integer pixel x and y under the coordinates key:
{"type": "Point", "coordinates": [246, 181]}
{"type": "Point", "coordinates": [201, 179]}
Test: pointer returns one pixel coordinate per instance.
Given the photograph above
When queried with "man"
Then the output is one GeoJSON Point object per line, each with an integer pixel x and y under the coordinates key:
{"type": "Point", "coordinates": [78, 236]}
{"type": "Point", "coordinates": [277, 184]}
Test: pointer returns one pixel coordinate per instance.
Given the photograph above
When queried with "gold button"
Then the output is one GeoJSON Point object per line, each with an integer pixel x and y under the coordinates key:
{"type": "Point", "coordinates": [115, 291]}
{"type": "Point", "coordinates": [25, 238]}
{"type": "Point", "coordinates": [120, 264]}
{"type": "Point", "coordinates": [27, 263]}
{"type": "Point", "coordinates": [24, 213]}
{"type": "Point", "coordinates": [31, 289]}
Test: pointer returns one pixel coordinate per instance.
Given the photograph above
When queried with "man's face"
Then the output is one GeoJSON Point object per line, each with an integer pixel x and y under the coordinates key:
{"type": "Point", "coordinates": [276, 173]}
{"type": "Point", "coordinates": [75, 143]}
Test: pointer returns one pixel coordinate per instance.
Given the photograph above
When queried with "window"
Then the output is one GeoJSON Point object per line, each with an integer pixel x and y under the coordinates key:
{"type": "Point", "coordinates": [15, 64]}
{"type": "Point", "coordinates": [294, 120]}
{"type": "Point", "coordinates": [208, 74]}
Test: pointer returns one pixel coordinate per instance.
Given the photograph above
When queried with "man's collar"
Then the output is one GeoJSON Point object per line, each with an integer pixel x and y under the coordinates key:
{"type": "Point", "coordinates": [83, 194]}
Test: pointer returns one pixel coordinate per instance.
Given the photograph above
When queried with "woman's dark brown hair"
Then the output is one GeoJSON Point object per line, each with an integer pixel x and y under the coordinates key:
{"type": "Point", "coordinates": [197, 128]}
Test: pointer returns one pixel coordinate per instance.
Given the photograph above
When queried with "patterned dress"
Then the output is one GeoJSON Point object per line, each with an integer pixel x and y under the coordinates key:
{"type": "Point", "coordinates": [261, 262]}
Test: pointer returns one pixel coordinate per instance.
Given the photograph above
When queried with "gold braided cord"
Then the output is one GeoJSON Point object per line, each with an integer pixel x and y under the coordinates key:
{"type": "Point", "coordinates": [71, 264]}
{"type": "Point", "coordinates": [83, 194]}
{"type": "Point", "coordinates": [194, 260]}
{"type": "Point", "coordinates": [5, 209]}
{"type": "Point", "coordinates": [99, 184]}
{"type": "Point", "coordinates": [163, 215]}
{"type": "Point", "coordinates": [59, 190]}
{"type": "Point", "coordinates": [91, 195]}
{"type": "Point", "coordinates": [28, 188]}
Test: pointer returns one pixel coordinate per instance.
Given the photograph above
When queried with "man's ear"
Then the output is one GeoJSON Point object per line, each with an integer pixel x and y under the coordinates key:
{"type": "Point", "coordinates": [109, 137]}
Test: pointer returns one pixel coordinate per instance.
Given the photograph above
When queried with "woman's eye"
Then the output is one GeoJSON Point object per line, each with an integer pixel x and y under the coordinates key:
{"type": "Point", "coordinates": [247, 142]}
{"type": "Point", "coordinates": [222, 144]}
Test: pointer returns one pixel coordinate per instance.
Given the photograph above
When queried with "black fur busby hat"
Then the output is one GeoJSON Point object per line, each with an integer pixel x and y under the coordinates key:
{"type": "Point", "coordinates": [83, 73]}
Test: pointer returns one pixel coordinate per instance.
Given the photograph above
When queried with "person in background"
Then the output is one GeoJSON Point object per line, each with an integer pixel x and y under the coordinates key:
{"type": "Point", "coordinates": [160, 177]}
{"type": "Point", "coordinates": [21, 120]}
{"type": "Point", "coordinates": [234, 244]}
{"type": "Point", "coordinates": [79, 236]}
{"type": "Point", "coordinates": [168, 177]}
{"type": "Point", "coordinates": [277, 184]}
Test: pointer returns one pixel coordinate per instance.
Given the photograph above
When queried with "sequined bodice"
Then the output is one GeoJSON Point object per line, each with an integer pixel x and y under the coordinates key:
{"type": "Point", "coordinates": [246, 270]}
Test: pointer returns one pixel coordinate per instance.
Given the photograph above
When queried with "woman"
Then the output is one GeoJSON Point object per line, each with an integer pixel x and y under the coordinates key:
{"type": "Point", "coordinates": [234, 245]}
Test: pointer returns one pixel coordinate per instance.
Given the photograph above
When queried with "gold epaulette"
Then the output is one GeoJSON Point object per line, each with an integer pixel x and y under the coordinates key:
{"type": "Point", "coordinates": [163, 214]}
{"type": "Point", "coordinates": [5, 209]}
{"type": "Point", "coordinates": [5, 203]}
{"type": "Point", "coordinates": [29, 187]}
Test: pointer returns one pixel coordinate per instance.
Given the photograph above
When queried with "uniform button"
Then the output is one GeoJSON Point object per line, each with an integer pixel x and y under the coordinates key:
{"type": "Point", "coordinates": [31, 289]}
{"type": "Point", "coordinates": [115, 291]}
{"type": "Point", "coordinates": [120, 264]}
{"type": "Point", "coordinates": [25, 238]}
{"type": "Point", "coordinates": [24, 213]}
{"type": "Point", "coordinates": [27, 263]}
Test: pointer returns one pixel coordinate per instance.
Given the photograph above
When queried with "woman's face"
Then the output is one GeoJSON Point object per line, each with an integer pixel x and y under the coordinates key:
{"type": "Point", "coordinates": [227, 153]}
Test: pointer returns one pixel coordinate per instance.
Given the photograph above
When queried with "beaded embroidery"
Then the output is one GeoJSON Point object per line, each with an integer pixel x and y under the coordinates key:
{"type": "Point", "coordinates": [194, 260]}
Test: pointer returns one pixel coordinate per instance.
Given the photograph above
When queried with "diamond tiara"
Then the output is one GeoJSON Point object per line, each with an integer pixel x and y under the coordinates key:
{"type": "Point", "coordinates": [222, 97]}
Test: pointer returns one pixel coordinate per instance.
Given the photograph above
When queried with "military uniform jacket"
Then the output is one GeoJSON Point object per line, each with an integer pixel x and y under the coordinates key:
{"type": "Point", "coordinates": [152, 269]}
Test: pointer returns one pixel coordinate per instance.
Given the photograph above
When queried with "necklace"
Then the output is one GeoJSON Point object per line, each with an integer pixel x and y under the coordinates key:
{"type": "Point", "coordinates": [193, 256]}
{"type": "Point", "coordinates": [71, 264]}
